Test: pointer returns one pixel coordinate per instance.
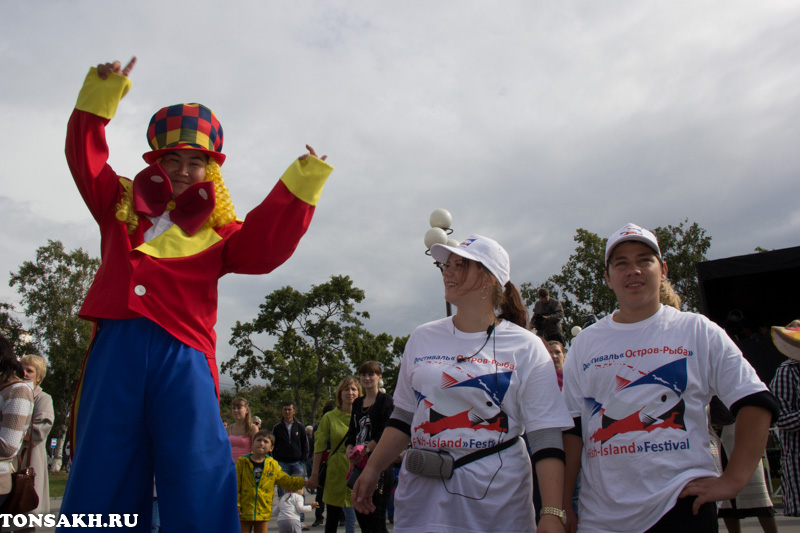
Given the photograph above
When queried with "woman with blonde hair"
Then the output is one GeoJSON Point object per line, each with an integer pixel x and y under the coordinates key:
{"type": "Point", "coordinates": [242, 430]}
{"type": "Point", "coordinates": [35, 369]}
{"type": "Point", "coordinates": [331, 433]}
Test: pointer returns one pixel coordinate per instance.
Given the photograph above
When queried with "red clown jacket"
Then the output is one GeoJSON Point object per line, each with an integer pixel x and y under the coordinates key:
{"type": "Point", "coordinates": [172, 279]}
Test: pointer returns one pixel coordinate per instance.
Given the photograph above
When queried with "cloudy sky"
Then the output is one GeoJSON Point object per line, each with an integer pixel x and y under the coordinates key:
{"type": "Point", "coordinates": [525, 119]}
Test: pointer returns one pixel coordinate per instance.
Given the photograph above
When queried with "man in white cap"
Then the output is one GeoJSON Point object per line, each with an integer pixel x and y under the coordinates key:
{"type": "Point", "coordinates": [637, 384]}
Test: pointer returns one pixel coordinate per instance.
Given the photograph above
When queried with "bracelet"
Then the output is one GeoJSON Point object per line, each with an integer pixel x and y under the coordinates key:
{"type": "Point", "coordinates": [560, 513]}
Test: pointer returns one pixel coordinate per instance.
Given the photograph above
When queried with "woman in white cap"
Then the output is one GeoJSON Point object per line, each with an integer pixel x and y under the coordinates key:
{"type": "Point", "coordinates": [469, 386]}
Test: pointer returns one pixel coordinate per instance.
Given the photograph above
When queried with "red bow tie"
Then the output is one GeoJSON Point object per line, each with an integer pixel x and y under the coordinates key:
{"type": "Point", "coordinates": [152, 191]}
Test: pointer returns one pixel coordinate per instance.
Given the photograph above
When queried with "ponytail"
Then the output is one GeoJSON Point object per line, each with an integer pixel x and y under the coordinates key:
{"type": "Point", "coordinates": [510, 304]}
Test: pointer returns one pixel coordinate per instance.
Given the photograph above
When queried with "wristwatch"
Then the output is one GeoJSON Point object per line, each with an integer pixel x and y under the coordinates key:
{"type": "Point", "coordinates": [560, 513]}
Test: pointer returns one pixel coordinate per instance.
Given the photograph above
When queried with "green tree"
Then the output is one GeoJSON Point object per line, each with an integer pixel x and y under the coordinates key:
{"type": "Point", "coordinates": [581, 287]}
{"type": "Point", "coordinates": [52, 289]}
{"type": "Point", "coordinates": [390, 373]}
{"type": "Point", "coordinates": [318, 338]}
{"type": "Point", "coordinates": [13, 330]}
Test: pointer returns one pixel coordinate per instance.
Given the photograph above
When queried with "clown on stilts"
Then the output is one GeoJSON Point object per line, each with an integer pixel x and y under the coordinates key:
{"type": "Point", "coordinates": [147, 404]}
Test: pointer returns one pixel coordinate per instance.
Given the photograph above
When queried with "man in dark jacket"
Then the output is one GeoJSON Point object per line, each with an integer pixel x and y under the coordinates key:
{"type": "Point", "coordinates": [547, 316]}
{"type": "Point", "coordinates": [291, 444]}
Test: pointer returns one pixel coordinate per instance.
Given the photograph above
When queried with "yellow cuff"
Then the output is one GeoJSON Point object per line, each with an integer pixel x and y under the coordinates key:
{"type": "Point", "coordinates": [101, 97]}
{"type": "Point", "coordinates": [306, 178]}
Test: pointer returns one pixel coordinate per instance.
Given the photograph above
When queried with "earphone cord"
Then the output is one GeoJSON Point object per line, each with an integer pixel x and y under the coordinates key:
{"type": "Point", "coordinates": [489, 332]}
{"type": "Point", "coordinates": [499, 440]}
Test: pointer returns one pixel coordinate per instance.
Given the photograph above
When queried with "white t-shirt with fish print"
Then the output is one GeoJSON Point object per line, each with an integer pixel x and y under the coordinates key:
{"type": "Point", "coordinates": [641, 391]}
{"type": "Point", "coordinates": [465, 401]}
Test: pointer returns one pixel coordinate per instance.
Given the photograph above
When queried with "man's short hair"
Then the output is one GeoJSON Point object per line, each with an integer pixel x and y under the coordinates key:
{"type": "Point", "coordinates": [288, 403]}
{"type": "Point", "coordinates": [267, 434]}
{"type": "Point", "coordinates": [543, 293]}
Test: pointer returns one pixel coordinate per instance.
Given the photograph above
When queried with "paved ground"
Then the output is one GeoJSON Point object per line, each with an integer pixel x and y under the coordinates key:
{"type": "Point", "coordinates": [749, 525]}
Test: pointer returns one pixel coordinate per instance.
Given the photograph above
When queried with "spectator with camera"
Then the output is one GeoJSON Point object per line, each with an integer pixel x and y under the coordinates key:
{"type": "Point", "coordinates": [547, 317]}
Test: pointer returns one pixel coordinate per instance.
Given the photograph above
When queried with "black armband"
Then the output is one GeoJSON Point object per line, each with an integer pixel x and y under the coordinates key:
{"type": "Point", "coordinates": [763, 399]}
{"type": "Point", "coordinates": [405, 427]}
{"type": "Point", "coordinates": [546, 453]}
{"type": "Point", "coordinates": [576, 429]}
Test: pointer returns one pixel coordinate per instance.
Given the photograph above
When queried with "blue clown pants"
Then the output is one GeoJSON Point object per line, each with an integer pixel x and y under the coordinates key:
{"type": "Point", "coordinates": [147, 407]}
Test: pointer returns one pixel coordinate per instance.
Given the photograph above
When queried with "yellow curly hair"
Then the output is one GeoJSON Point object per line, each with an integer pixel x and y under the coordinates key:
{"type": "Point", "coordinates": [223, 213]}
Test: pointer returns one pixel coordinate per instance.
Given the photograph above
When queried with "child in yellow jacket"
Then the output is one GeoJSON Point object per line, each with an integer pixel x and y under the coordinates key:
{"type": "Point", "coordinates": [256, 476]}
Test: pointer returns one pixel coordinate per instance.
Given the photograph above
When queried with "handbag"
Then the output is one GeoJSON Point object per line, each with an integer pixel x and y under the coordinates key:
{"type": "Point", "coordinates": [22, 498]}
{"type": "Point", "coordinates": [355, 473]}
{"type": "Point", "coordinates": [323, 468]}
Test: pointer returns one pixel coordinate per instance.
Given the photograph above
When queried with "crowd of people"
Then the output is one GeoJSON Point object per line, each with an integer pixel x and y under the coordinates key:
{"type": "Point", "coordinates": [486, 401]}
{"type": "Point", "coordinates": [636, 385]}
{"type": "Point", "coordinates": [342, 442]}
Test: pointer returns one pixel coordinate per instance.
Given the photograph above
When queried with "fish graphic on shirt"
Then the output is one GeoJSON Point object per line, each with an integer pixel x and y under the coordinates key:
{"type": "Point", "coordinates": [465, 401]}
{"type": "Point", "coordinates": [654, 401]}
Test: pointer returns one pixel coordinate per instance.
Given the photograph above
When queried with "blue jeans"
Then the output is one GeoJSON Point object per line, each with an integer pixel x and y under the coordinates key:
{"type": "Point", "coordinates": [297, 468]}
{"type": "Point", "coordinates": [349, 520]}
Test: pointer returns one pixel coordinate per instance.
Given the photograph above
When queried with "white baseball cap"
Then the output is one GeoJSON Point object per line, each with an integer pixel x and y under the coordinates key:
{"type": "Point", "coordinates": [632, 232]}
{"type": "Point", "coordinates": [484, 250]}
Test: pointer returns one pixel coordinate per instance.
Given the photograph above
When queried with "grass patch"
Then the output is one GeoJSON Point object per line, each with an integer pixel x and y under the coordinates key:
{"type": "Point", "coordinates": [58, 481]}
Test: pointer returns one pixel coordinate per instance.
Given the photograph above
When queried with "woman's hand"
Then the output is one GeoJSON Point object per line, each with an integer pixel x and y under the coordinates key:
{"type": "Point", "coordinates": [572, 519]}
{"type": "Point", "coordinates": [550, 524]}
{"type": "Point", "coordinates": [313, 480]}
{"type": "Point", "coordinates": [363, 489]}
{"type": "Point", "coordinates": [104, 69]}
{"type": "Point", "coordinates": [311, 151]}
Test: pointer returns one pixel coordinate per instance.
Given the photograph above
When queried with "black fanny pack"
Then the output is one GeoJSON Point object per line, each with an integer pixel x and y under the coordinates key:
{"type": "Point", "coordinates": [441, 464]}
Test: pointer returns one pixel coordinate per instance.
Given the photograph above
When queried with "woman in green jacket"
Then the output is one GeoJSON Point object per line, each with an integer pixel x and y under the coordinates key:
{"type": "Point", "coordinates": [331, 433]}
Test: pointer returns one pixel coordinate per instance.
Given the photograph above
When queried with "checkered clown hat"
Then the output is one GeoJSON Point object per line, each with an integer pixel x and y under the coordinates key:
{"type": "Point", "coordinates": [184, 127]}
